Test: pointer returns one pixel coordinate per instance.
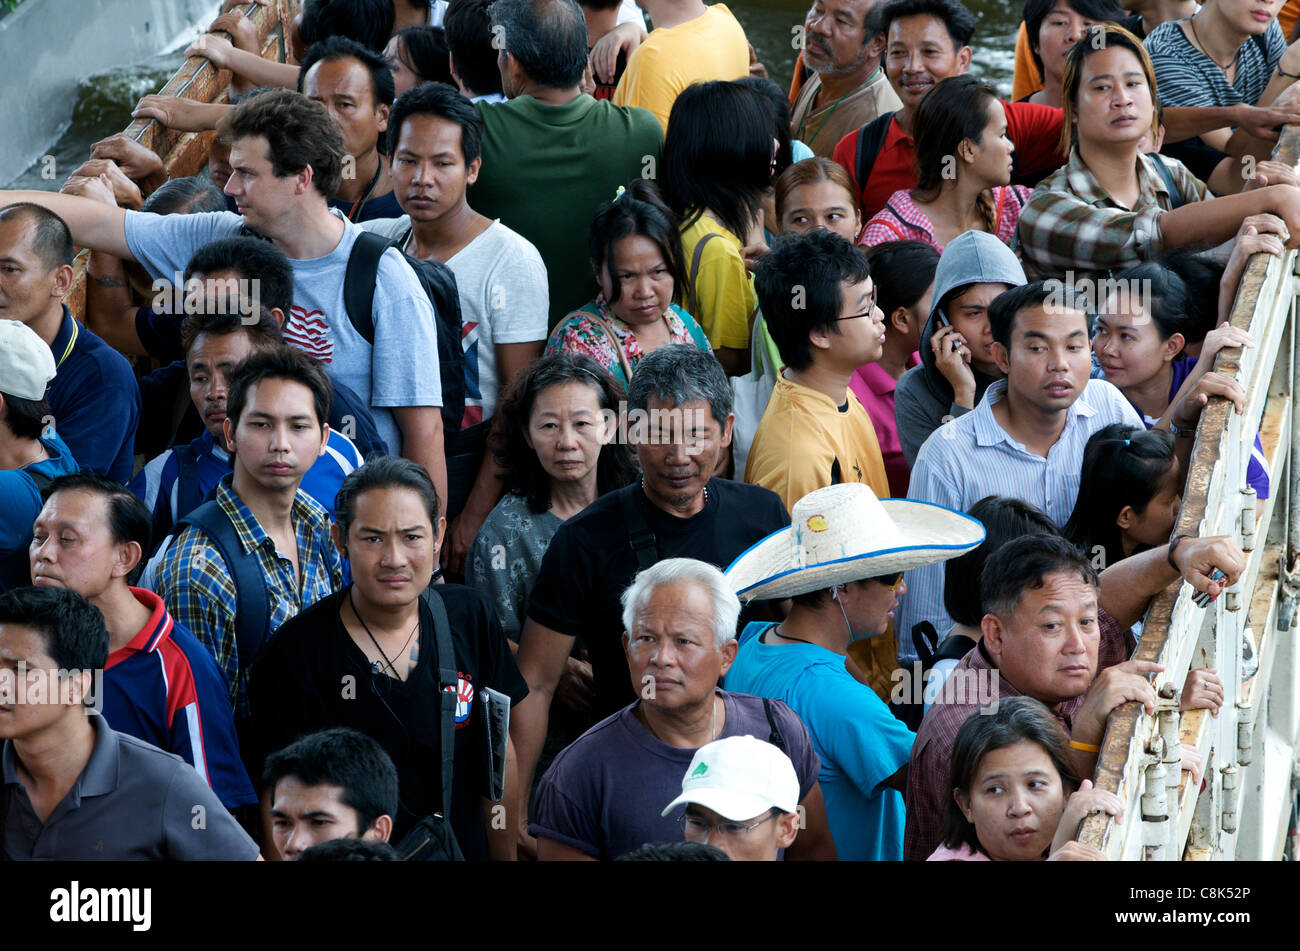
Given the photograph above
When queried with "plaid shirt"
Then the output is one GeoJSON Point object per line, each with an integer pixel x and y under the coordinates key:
{"type": "Point", "coordinates": [928, 776]}
{"type": "Point", "coordinates": [196, 586]}
{"type": "Point", "coordinates": [1072, 225]}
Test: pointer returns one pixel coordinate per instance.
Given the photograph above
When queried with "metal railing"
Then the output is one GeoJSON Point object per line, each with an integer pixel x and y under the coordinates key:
{"type": "Point", "coordinates": [1243, 807]}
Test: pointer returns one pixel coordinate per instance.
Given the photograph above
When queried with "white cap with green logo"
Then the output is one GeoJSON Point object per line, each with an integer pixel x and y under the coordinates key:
{"type": "Point", "coordinates": [739, 778]}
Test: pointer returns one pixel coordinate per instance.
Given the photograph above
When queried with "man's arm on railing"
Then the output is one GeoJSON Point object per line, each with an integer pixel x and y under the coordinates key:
{"type": "Point", "coordinates": [93, 225]}
{"type": "Point", "coordinates": [1127, 587]}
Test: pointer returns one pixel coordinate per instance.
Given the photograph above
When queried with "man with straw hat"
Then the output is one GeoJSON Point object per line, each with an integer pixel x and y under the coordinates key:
{"type": "Point", "coordinates": [841, 562]}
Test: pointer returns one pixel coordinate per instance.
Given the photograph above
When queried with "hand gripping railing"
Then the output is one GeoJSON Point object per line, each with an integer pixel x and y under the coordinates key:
{"type": "Point", "coordinates": [1242, 808]}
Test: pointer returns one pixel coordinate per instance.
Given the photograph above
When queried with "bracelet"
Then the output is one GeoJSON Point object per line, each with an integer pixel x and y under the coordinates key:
{"type": "Point", "coordinates": [1173, 546]}
{"type": "Point", "coordinates": [1084, 747]}
{"type": "Point", "coordinates": [1180, 431]}
{"type": "Point", "coordinates": [1287, 75]}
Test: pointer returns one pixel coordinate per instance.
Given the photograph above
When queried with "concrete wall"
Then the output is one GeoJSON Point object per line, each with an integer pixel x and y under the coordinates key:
{"type": "Point", "coordinates": [48, 46]}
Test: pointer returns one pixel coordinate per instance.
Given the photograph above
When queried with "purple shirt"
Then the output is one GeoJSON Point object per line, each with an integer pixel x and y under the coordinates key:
{"type": "Point", "coordinates": [603, 795]}
{"type": "Point", "coordinates": [874, 389]}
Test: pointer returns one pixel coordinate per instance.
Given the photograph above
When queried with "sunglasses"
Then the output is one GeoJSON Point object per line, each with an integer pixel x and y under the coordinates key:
{"type": "Point", "coordinates": [890, 581]}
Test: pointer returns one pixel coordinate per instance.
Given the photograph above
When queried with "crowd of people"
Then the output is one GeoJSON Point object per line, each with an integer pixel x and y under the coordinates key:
{"type": "Point", "coordinates": [541, 436]}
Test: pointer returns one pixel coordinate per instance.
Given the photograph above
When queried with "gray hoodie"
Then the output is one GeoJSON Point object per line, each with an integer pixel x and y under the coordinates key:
{"type": "Point", "coordinates": [924, 397]}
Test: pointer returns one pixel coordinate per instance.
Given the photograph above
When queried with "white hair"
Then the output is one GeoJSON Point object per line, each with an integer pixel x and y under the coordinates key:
{"type": "Point", "coordinates": [726, 606]}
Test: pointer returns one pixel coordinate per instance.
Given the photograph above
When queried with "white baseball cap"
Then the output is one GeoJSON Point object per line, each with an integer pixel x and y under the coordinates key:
{"type": "Point", "coordinates": [739, 778]}
{"type": "Point", "coordinates": [26, 363]}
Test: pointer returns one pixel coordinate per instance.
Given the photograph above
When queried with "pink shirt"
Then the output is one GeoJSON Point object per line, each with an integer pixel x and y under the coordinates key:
{"type": "Point", "coordinates": [963, 854]}
{"type": "Point", "coordinates": [874, 389]}
{"type": "Point", "coordinates": [901, 220]}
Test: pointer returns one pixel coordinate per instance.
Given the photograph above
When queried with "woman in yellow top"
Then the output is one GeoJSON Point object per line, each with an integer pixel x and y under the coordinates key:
{"type": "Point", "coordinates": [717, 166]}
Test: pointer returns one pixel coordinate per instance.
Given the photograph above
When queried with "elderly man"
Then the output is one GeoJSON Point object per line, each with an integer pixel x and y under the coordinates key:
{"type": "Point", "coordinates": [681, 423]}
{"type": "Point", "coordinates": [1045, 636]}
{"type": "Point", "coordinates": [842, 43]}
{"type": "Point", "coordinates": [602, 796]}
{"type": "Point", "coordinates": [744, 790]}
{"type": "Point", "coordinates": [842, 563]}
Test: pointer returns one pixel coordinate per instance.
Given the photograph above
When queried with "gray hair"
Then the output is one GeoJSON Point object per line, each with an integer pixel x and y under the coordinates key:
{"type": "Point", "coordinates": [726, 606]}
{"type": "Point", "coordinates": [547, 37]}
{"type": "Point", "coordinates": [680, 374]}
{"type": "Point", "coordinates": [185, 196]}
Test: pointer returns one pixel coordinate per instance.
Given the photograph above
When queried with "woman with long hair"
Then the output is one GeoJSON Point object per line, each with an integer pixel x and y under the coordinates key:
{"type": "Point", "coordinates": [718, 162]}
{"type": "Point", "coordinates": [963, 161]}
{"type": "Point", "coordinates": [1114, 206]}
{"type": "Point", "coordinates": [636, 254]}
{"type": "Point", "coordinates": [555, 439]}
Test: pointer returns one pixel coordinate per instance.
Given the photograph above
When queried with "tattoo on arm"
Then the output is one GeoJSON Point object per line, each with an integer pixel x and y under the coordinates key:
{"type": "Point", "coordinates": [108, 280]}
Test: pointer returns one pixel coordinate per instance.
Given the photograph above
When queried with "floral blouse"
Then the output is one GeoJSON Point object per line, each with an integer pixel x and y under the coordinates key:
{"type": "Point", "coordinates": [581, 332]}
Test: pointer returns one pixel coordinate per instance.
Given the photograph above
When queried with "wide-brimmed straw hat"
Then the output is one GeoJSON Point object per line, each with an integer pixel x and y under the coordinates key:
{"type": "Point", "coordinates": [844, 533]}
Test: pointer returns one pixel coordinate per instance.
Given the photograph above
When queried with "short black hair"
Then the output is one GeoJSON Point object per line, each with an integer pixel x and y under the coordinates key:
{"type": "Point", "coordinates": [190, 195]}
{"type": "Point", "coordinates": [675, 852]}
{"type": "Point", "coordinates": [1201, 275]}
{"type": "Point", "coordinates": [262, 333]}
{"type": "Point", "coordinates": [279, 363]}
{"type": "Point", "coordinates": [902, 271]}
{"type": "Point", "coordinates": [26, 419]}
{"type": "Point", "coordinates": [779, 107]}
{"type": "Point", "coordinates": [600, 4]}
{"type": "Point", "coordinates": [386, 472]}
{"type": "Point", "coordinates": [1169, 303]}
{"type": "Point", "coordinates": [524, 475]}
{"type": "Point", "coordinates": [128, 518]}
{"type": "Point", "coordinates": [641, 212]}
{"type": "Point", "coordinates": [349, 850]}
{"type": "Point", "coordinates": [1023, 564]}
{"type": "Point", "coordinates": [423, 49]}
{"type": "Point", "coordinates": [442, 102]}
{"type": "Point", "coordinates": [958, 20]}
{"type": "Point", "coordinates": [73, 629]}
{"type": "Point", "coordinates": [344, 757]}
{"type": "Point", "coordinates": [1003, 519]}
{"type": "Point", "coordinates": [255, 260]}
{"type": "Point", "coordinates": [469, 38]}
{"type": "Point", "coordinates": [52, 241]}
{"type": "Point", "coordinates": [1007, 305]}
{"type": "Point", "coordinates": [1036, 11]}
{"type": "Point", "coordinates": [547, 37]}
{"type": "Point", "coordinates": [800, 289]}
{"type": "Point", "coordinates": [335, 48]}
{"type": "Point", "coordinates": [368, 22]}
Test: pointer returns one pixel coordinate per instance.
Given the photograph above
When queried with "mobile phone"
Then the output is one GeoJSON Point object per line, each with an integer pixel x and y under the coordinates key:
{"type": "Point", "coordinates": [943, 318]}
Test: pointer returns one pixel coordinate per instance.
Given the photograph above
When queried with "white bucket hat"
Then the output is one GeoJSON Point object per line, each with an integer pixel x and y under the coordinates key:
{"type": "Point", "coordinates": [844, 533]}
{"type": "Point", "coordinates": [739, 778]}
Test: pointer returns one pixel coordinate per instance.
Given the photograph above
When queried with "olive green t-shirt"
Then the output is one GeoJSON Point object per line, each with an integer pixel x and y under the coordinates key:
{"type": "Point", "coordinates": [546, 169]}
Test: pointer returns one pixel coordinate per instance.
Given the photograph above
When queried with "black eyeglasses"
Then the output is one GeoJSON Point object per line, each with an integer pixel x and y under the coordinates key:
{"type": "Point", "coordinates": [890, 581]}
{"type": "Point", "coordinates": [868, 313]}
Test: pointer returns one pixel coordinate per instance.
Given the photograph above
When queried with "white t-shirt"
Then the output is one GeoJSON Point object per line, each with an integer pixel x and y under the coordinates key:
{"type": "Point", "coordinates": [504, 298]}
{"type": "Point", "coordinates": [401, 369]}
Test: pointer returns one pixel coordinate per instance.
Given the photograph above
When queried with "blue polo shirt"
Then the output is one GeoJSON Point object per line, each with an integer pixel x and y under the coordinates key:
{"type": "Point", "coordinates": [20, 503]}
{"type": "Point", "coordinates": [95, 401]}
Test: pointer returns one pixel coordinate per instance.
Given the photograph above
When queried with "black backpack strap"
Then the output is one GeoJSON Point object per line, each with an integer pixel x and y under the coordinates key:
{"type": "Point", "coordinates": [639, 535]}
{"type": "Point", "coordinates": [774, 737]}
{"type": "Point", "coordinates": [693, 298]}
{"type": "Point", "coordinates": [871, 139]}
{"type": "Point", "coordinates": [40, 478]}
{"type": "Point", "coordinates": [924, 639]}
{"type": "Point", "coordinates": [1175, 196]}
{"type": "Point", "coordinates": [252, 600]}
{"type": "Point", "coordinates": [448, 684]}
{"type": "Point", "coordinates": [188, 495]}
{"type": "Point", "coordinates": [359, 282]}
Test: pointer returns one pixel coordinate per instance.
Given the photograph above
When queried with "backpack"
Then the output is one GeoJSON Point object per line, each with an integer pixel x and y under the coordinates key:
{"type": "Point", "coordinates": [462, 448]}
{"type": "Point", "coordinates": [252, 599]}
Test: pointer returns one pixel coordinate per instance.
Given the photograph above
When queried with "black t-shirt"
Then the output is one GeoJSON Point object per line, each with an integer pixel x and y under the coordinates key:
{"type": "Point", "coordinates": [300, 685]}
{"type": "Point", "coordinates": [590, 562]}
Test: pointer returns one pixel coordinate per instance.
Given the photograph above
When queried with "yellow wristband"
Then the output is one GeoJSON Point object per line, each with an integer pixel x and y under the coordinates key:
{"type": "Point", "coordinates": [1084, 747]}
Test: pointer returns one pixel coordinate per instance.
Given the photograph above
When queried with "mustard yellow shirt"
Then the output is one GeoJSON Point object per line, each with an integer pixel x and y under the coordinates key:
{"type": "Point", "coordinates": [724, 294]}
{"type": "Point", "coordinates": [804, 443]}
{"type": "Point", "coordinates": [712, 46]}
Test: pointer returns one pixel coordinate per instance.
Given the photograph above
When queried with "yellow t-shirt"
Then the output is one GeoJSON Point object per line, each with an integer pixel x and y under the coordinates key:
{"type": "Point", "coordinates": [724, 296]}
{"type": "Point", "coordinates": [712, 46]}
{"type": "Point", "coordinates": [804, 443]}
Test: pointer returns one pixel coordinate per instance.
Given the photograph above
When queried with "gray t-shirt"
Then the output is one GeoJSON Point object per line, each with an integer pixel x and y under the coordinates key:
{"type": "Point", "coordinates": [506, 555]}
{"type": "Point", "coordinates": [504, 298]}
{"type": "Point", "coordinates": [1187, 77]}
{"type": "Point", "coordinates": [401, 369]}
{"type": "Point", "coordinates": [604, 795]}
{"type": "Point", "coordinates": [131, 802]}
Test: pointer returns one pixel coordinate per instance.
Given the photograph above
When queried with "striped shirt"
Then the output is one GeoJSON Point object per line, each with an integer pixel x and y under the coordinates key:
{"type": "Point", "coordinates": [902, 220]}
{"type": "Point", "coordinates": [164, 688]}
{"type": "Point", "coordinates": [1187, 77]}
{"type": "Point", "coordinates": [197, 587]}
{"type": "Point", "coordinates": [972, 456]}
